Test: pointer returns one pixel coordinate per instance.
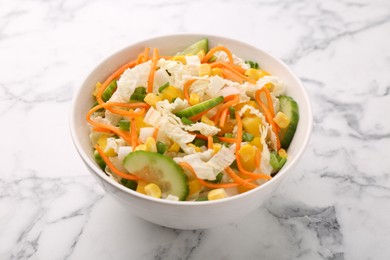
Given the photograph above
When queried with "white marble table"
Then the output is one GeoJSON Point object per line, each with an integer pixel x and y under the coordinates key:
{"type": "Point", "coordinates": [335, 206]}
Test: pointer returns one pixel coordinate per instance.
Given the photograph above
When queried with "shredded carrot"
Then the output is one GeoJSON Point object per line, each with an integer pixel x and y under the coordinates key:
{"type": "Point", "coordinates": [244, 182]}
{"type": "Point", "coordinates": [200, 136]}
{"type": "Point", "coordinates": [125, 135]}
{"type": "Point", "coordinates": [214, 50]}
{"type": "Point", "coordinates": [223, 117]}
{"type": "Point", "coordinates": [187, 166]}
{"type": "Point", "coordinates": [186, 88]}
{"type": "Point", "coordinates": [155, 133]}
{"type": "Point", "coordinates": [140, 58]}
{"type": "Point", "coordinates": [227, 139]}
{"type": "Point", "coordinates": [210, 143]}
{"type": "Point", "coordinates": [133, 132]}
{"type": "Point", "coordinates": [248, 173]}
{"type": "Point", "coordinates": [152, 70]}
{"type": "Point", "coordinates": [146, 54]}
{"type": "Point", "coordinates": [112, 167]}
{"type": "Point", "coordinates": [129, 113]}
{"type": "Point", "coordinates": [224, 106]}
{"type": "Point", "coordinates": [113, 76]}
{"type": "Point", "coordinates": [101, 130]}
{"type": "Point", "coordinates": [269, 99]}
{"type": "Point", "coordinates": [233, 70]}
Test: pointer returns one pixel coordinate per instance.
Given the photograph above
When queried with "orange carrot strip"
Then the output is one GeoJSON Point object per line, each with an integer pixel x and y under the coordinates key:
{"type": "Point", "coordinates": [140, 58]}
{"type": "Point", "coordinates": [248, 173]}
{"type": "Point", "coordinates": [155, 133]}
{"type": "Point", "coordinates": [101, 130]}
{"type": "Point", "coordinates": [187, 166]}
{"type": "Point", "coordinates": [125, 135]}
{"type": "Point", "coordinates": [109, 106]}
{"type": "Point", "coordinates": [244, 182]}
{"type": "Point", "coordinates": [269, 99]}
{"type": "Point", "coordinates": [152, 70]}
{"type": "Point", "coordinates": [113, 76]}
{"type": "Point", "coordinates": [112, 167]}
{"type": "Point", "coordinates": [224, 106]}
{"type": "Point", "coordinates": [227, 139]}
{"type": "Point", "coordinates": [133, 132]}
{"type": "Point", "coordinates": [186, 88]}
{"type": "Point", "coordinates": [214, 50]}
{"type": "Point", "coordinates": [233, 70]}
{"type": "Point", "coordinates": [223, 117]}
{"type": "Point", "coordinates": [210, 142]}
{"type": "Point", "coordinates": [200, 136]}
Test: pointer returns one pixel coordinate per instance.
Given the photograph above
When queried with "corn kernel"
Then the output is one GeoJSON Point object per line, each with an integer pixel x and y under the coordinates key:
{"type": "Point", "coordinates": [170, 93]}
{"type": "Point", "coordinates": [150, 144]}
{"type": "Point", "coordinates": [179, 58]}
{"type": "Point", "coordinates": [102, 142]}
{"type": "Point", "coordinates": [204, 69]}
{"type": "Point", "coordinates": [217, 147]}
{"type": "Point", "coordinates": [206, 120]}
{"type": "Point", "coordinates": [252, 73]}
{"type": "Point", "coordinates": [201, 54]}
{"type": "Point", "coordinates": [252, 125]}
{"type": "Point", "coordinates": [153, 190]}
{"type": "Point", "coordinates": [216, 194]}
{"type": "Point", "coordinates": [197, 149]}
{"type": "Point", "coordinates": [257, 142]}
{"type": "Point", "coordinates": [175, 147]}
{"type": "Point", "coordinates": [140, 147]}
{"type": "Point", "coordinates": [217, 72]}
{"type": "Point", "coordinates": [194, 99]}
{"type": "Point", "coordinates": [141, 187]}
{"type": "Point", "coordinates": [247, 154]}
{"type": "Point", "coordinates": [282, 120]}
{"type": "Point", "coordinates": [152, 99]}
{"type": "Point", "coordinates": [97, 86]}
{"type": "Point", "coordinates": [194, 187]}
{"type": "Point", "coordinates": [282, 153]}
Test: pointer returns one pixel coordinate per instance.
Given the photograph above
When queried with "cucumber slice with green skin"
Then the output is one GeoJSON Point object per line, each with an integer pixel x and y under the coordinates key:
{"type": "Point", "coordinates": [159, 169]}
{"type": "Point", "coordinates": [201, 107]}
{"type": "Point", "coordinates": [290, 108]}
{"type": "Point", "coordinates": [196, 47]}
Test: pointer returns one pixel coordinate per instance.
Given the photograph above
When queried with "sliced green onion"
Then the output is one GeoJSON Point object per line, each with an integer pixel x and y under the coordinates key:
{"type": "Point", "coordinates": [187, 121]}
{"type": "Point", "coordinates": [229, 135]}
{"type": "Point", "coordinates": [161, 147]}
{"type": "Point", "coordinates": [247, 137]}
{"type": "Point", "coordinates": [160, 89]}
{"type": "Point", "coordinates": [131, 184]}
{"type": "Point", "coordinates": [124, 125]}
{"type": "Point", "coordinates": [253, 64]}
{"type": "Point", "coordinates": [199, 142]}
{"type": "Point", "coordinates": [107, 93]}
{"type": "Point", "coordinates": [232, 113]}
{"type": "Point", "coordinates": [139, 94]}
{"type": "Point", "coordinates": [276, 161]}
{"type": "Point", "coordinates": [99, 160]}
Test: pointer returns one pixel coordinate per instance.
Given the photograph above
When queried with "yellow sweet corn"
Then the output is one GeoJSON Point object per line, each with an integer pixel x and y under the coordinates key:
{"type": "Point", "coordinates": [201, 54]}
{"type": "Point", "coordinates": [153, 190]}
{"type": "Point", "coordinates": [281, 120]}
{"type": "Point", "coordinates": [179, 58]}
{"type": "Point", "coordinates": [204, 69]}
{"type": "Point", "coordinates": [247, 154]}
{"type": "Point", "coordinates": [150, 144]}
{"type": "Point", "coordinates": [194, 99]}
{"type": "Point", "coordinates": [206, 120]}
{"type": "Point", "coordinates": [197, 149]}
{"type": "Point", "coordinates": [217, 147]}
{"type": "Point", "coordinates": [140, 147]}
{"type": "Point", "coordinates": [194, 187]}
{"type": "Point", "coordinates": [175, 147]}
{"type": "Point", "coordinates": [140, 123]}
{"type": "Point", "coordinates": [253, 73]}
{"type": "Point", "coordinates": [257, 142]}
{"type": "Point", "coordinates": [141, 186]}
{"type": "Point", "coordinates": [216, 194]}
{"type": "Point", "coordinates": [217, 72]}
{"type": "Point", "coordinates": [152, 99]}
{"type": "Point", "coordinates": [102, 142]}
{"type": "Point", "coordinates": [252, 125]}
{"type": "Point", "coordinates": [282, 153]}
{"type": "Point", "coordinates": [170, 93]}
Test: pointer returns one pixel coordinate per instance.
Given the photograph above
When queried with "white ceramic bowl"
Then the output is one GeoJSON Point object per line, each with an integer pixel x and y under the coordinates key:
{"type": "Point", "coordinates": [189, 215]}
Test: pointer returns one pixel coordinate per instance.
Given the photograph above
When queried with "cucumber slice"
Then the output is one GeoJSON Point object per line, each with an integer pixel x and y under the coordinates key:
{"type": "Point", "coordinates": [107, 93]}
{"type": "Point", "coordinates": [196, 47]}
{"type": "Point", "coordinates": [158, 169]}
{"type": "Point", "coordinates": [290, 108]}
{"type": "Point", "coordinates": [199, 108]}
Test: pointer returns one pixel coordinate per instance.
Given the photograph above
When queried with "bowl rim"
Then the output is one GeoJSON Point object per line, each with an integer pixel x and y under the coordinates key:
{"type": "Point", "coordinates": [101, 174]}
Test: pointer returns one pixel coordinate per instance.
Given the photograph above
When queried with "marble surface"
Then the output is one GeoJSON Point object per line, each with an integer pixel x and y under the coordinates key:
{"type": "Point", "coordinates": [335, 206]}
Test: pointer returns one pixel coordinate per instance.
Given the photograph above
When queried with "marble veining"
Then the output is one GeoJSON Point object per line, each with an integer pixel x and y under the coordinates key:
{"type": "Point", "coordinates": [336, 205]}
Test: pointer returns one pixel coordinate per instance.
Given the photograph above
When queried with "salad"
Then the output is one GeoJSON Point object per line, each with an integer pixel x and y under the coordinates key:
{"type": "Point", "coordinates": [203, 124]}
